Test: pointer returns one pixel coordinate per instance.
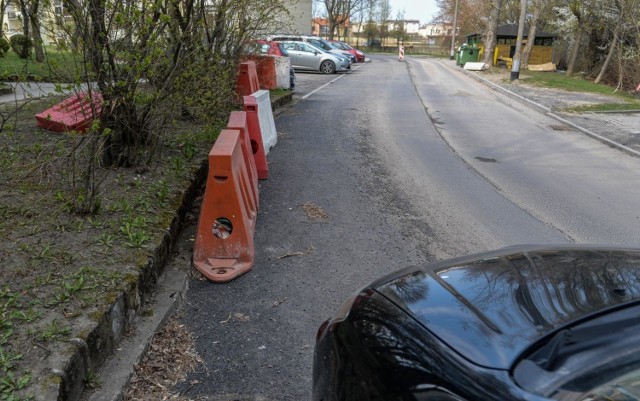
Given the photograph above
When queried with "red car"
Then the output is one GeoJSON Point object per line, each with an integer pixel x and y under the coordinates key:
{"type": "Point", "coordinates": [343, 46]}
{"type": "Point", "coordinates": [270, 48]}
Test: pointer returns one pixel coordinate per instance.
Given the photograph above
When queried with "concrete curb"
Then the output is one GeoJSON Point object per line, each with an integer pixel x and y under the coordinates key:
{"type": "Point", "coordinates": [5, 89]}
{"type": "Point", "coordinates": [87, 355]}
{"type": "Point", "coordinates": [547, 111]}
{"type": "Point", "coordinates": [106, 352]}
{"type": "Point", "coordinates": [116, 373]}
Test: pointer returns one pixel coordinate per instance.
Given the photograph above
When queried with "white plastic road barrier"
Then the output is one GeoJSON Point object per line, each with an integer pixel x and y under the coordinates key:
{"type": "Point", "coordinates": [401, 53]}
{"type": "Point", "coordinates": [283, 78]}
{"type": "Point", "coordinates": [472, 66]}
{"type": "Point", "coordinates": [267, 123]}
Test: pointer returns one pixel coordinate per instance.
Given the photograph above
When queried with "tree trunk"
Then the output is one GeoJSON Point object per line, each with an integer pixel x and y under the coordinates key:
{"type": "Point", "coordinates": [574, 52]}
{"type": "Point", "coordinates": [531, 36]}
{"type": "Point", "coordinates": [612, 48]}
{"type": "Point", "coordinates": [492, 29]}
{"type": "Point", "coordinates": [620, 67]}
{"type": "Point", "coordinates": [3, 7]}
{"type": "Point", "coordinates": [576, 10]}
{"type": "Point", "coordinates": [34, 15]}
{"type": "Point", "coordinates": [25, 17]}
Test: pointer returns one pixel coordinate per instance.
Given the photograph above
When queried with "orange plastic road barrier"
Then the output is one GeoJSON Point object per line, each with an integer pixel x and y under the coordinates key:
{"type": "Point", "coordinates": [266, 70]}
{"type": "Point", "coordinates": [73, 114]}
{"type": "Point", "coordinates": [247, 81]}
{"type": "Point", "coordinates": [238, 120]}
{"type": "Point", "coordinates": [253, 122]}
{"type": "Point", "coordinates": [224, 247]}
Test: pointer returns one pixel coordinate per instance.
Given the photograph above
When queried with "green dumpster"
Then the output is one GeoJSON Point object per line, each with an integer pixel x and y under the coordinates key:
{"type": "Point", "coordinates": [467, 54]}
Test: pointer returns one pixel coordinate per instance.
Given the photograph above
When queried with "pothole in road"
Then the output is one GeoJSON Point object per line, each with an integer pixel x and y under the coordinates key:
{"type": "Point", "coordinates": [561, 128]}
{"type": "Point", "coordinates": [486, 159]}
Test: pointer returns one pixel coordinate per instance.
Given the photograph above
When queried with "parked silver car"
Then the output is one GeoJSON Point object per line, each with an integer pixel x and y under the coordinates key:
{"type": "Point", "coordinates": [305, 56]}
{"type": "Point", "coordinates": [317, 42]}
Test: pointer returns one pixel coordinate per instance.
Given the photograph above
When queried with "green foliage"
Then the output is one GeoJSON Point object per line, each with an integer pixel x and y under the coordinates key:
{"type": "Point", "coordinates": [59, 67]}
{"type": "Point", "coordinates": [21, 45]}
{"type": "Point", "coordinates": [4, 46]}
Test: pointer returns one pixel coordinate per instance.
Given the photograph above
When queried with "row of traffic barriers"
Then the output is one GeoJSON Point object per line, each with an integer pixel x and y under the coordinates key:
{"type": "Point", "coordinates": [224, 247]}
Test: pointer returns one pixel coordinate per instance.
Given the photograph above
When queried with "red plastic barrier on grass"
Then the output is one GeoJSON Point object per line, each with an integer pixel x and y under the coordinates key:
{"type": "Point", "coordinates": [77, 113]}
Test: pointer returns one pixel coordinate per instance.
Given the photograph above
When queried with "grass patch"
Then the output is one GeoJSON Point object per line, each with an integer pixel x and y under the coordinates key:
{"type": "Point", "coordinates": [60, 269]}
{"type": "Point", "coordinates": [275, 93]}
{"type": "Point", "coordinates": [605, 107]}
{"type": "Point", "coordinates": [59, 66]}
{"type": "Point", "coordinates": [559, 80]}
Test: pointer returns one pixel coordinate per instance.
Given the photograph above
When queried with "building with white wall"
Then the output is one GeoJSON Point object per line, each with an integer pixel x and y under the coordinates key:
{"type": "Point", "coordinates": [301, 17]}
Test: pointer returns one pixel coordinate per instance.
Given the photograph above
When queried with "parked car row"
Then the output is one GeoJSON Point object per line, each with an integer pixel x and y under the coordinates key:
{"type": "Point", "coordinates": [310, 53]}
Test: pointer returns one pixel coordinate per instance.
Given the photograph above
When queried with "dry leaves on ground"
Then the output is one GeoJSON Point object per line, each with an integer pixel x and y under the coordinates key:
{"type": "Point", "coordinates": [169, 358]}
{"type": "Point", "coordinates": [314, 212]}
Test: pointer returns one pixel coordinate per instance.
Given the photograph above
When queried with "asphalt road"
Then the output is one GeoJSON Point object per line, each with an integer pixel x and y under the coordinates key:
{"type": "Point", "coordinates": [411, 163]}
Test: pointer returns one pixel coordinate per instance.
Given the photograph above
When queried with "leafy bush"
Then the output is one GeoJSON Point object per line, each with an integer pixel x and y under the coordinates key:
{"type": "Point", "coordinates": [21, 45]}
{"type": "Point", "coordinates": [4, 47]}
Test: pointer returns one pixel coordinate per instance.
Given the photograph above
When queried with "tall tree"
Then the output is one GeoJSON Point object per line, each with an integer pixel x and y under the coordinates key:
{"type": "Point", "coordinates": [3, 9]}
{"type": "Point", "coordinates": [578, 11]}
{"type": "Point", "coordinates": [537, 6]}
{"type": "Point", "coordinates": [490, 35]}
{"type": "Point", "coordinates": [30, 10]}
{"type": "Point", "coordinates": [619, 13]}
{"type": "Point", "coordinates": [384, 16]}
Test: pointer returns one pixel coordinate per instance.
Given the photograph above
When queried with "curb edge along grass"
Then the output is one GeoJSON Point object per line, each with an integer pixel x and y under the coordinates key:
{"type": "Point", "coordinates": [88, 356]}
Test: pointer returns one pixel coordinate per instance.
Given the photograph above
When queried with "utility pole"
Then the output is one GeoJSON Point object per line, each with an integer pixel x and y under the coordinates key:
{"type": "Point", "coordinates": [515, 68]}
{"type": "Point", "coordinates": [453, 32]}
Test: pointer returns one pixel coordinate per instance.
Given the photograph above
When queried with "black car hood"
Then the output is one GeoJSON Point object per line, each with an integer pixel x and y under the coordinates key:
{"type": "Point", "coordinates": [491, 307]}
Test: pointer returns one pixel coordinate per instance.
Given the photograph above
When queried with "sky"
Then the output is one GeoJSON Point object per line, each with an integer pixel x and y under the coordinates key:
{"type": "Point", "coordinates": [422, 10]}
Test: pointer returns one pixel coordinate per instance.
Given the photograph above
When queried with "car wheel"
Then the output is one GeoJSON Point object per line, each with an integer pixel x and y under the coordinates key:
{"type": "Point", "coordinates": [327, 67]}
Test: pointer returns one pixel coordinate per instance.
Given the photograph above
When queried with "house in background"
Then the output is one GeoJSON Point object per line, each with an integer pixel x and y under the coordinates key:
{"type": "Point", "coordinates": [435, 35]}
{"type": "Point", "coordinates": [320, 27]}
{"type": "Point", "coordinates": [301, 15]}
{"type": "Point", "coordinates": [411, 26]}
{"type": "Point", "coordinates": [54, 16]}
{"type": "Point", "coordinates": [12, 21]}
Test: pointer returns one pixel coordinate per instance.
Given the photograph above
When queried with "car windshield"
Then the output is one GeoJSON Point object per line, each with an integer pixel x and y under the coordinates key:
{"type": "Point", "coordinates": [595, 360]}
{"type": "Point", "coordinates": [321, 44]}
{"type": "Point", "coordinates": [624, 388]}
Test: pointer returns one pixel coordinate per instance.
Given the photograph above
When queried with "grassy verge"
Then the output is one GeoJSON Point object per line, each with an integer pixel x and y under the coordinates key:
{"type": "Point", "coordinates": [62, 271]}
{"type": "Point", "coordinates": [559, 80]}
{"type": "Point", "coordinates": [59, 66]}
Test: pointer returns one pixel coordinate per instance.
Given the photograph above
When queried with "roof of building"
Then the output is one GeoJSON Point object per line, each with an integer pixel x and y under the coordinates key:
{"type": "Point", "coordinates": [511, 30]}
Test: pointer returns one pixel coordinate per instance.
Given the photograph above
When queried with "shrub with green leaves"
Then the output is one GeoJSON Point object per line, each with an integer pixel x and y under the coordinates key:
{"type": "Point", "coordinates": [4, 47]}
{"type": "Point", "coordinates": [21, 45]}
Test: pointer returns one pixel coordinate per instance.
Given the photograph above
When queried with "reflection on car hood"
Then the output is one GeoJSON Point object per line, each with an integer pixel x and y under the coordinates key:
{"type": "Point", "coordinates": [491, 307]}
